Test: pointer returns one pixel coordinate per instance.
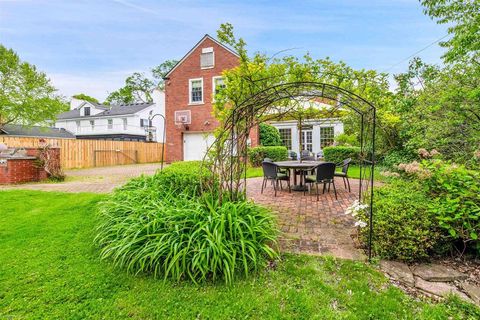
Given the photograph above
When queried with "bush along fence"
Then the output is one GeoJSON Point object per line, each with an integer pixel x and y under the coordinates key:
{"type": "Point", "coordinates": [90, 153]}
{"type": "Point", "coordinates": [257, 154]}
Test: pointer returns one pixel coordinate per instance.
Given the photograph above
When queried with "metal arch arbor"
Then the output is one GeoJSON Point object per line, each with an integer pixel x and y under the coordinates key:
{"type": "Point", "coordinates": [227, 157]}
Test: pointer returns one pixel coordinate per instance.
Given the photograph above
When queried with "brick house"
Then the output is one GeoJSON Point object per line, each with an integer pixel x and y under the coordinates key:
{"type": "Point", "coordinates": [189, 90]}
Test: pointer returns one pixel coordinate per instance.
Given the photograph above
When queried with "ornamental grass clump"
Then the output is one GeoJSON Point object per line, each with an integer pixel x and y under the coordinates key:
{"type": "Point", "coordinates": [148, 227]}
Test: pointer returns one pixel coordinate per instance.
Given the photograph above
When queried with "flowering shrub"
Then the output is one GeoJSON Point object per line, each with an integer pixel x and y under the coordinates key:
{"type": "Point", "coordinates": [403, 226]}
{"type": "Point", "coordinates": [358, 211]}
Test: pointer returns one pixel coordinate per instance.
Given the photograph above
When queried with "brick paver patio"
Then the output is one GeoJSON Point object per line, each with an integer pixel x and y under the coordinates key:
{"type": "Point", "coordinates": [309, 226]}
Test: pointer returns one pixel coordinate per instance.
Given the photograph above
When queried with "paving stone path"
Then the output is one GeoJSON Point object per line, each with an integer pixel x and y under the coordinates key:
{"type": "Point", "coordinates": [433, 280]}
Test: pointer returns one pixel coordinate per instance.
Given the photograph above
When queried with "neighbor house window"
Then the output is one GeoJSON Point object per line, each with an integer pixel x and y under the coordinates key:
{"type": "Point", "coordinates": [327, 136]}
{"type": "Point", "coordinates": [92, 124]}
{"type": "Point", "coordinates": [286, 135]}
{"type": "Point", "coordinates": [110, 123]}
{"type": "Point", "coordinates": [218, 84]}
{"type": "Point", "coordinates": [143, 123]}
{"type": "Point", "coordinates": [86, 111]}
{"type": "Point", "coordinates": [196, 90]}
{"type": "Point", "coordinates": [207, 58]}
{"type": "Point", "coordinates": [124, 123]}
{"type": "Point", "coordinates": [79, 128]}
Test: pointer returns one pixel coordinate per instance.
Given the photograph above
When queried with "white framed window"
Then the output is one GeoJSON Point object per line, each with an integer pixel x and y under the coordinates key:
{"type": "Point", "coordinates": [218, 83]}
{"type": "Point", "coordinates": [110, 124]}
{"type": "Point", "coordinates": [286, 136]}
{"type": "Point", "coordinates": [207, 58]}
{"type": "Point", "coordinates": [86, 111]}
{"type": "Point", "coordinates": [92, 124]}
{"type": "Point", "coordinates": [79, 128]}
{"type": "Point", "coordinates": [195, 91]}
{"type": "Point", "coordinates": [327, 136]}
{"type": "Point", "coordinates": [124, 120]}
{"type": "Point", "coordinates": [144, 123]}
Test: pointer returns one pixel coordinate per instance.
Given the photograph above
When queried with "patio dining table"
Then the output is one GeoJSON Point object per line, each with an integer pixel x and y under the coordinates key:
{"type": "Point", "coordinates": [297, 166]}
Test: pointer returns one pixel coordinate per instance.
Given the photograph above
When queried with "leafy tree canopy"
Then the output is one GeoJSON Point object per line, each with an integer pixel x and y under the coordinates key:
{"type": "Point", "coordinates": [26, 94]}
{"type": "Point", "coordinates": [84, 97]}
{"type": "Point", "coordinates": [138, 87]}
{"type": "Point", "coordinates": [259, 72]}
{"type": "Point", "coordinates": [463, 18]}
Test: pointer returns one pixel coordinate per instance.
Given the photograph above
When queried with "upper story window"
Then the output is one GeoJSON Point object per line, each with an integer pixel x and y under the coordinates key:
{"type": "Point", "coordinates": [207, 58]}
{"type": "Point", "coordinates": [144, 123]}
{"type": "Point", "coordinates": [86, 111]}
{"type": "Point", "coordinates": [196, 91]}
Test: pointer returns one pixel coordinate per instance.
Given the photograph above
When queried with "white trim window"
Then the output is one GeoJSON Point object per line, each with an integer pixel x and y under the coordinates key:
{"type": "Point", "coordinates": [218, 83]}
{"type": "Point", "coordinates": [207, 58]}
{"type": "Point", "coordinates": [195, 88]}
{"type": "Point", "coordinates": [86, 111]}
{"type": "Point", "coordinates": [125, 123]}
{"type": "Point", "coordinates": [92, 125]}
{"type": "Point", "coordinates": [327, 136]}
{"type": "Point", "coordinates": [110, 124]}
{"type": "Point", "coordinates": [79, 128]}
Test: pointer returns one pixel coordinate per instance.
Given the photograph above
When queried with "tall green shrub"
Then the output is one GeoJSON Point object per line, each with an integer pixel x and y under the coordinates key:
{"type": "Point", "coordinates": [338, 154]}
{"type": "Point", "coordinates": [257, 154]}
{"type": "Point", "coordinates": [148, 226]}
{"type": "Point", "coordinates": [183, 177]}
{"type": "Point", "coordinates": [269, 135]}
{"type": "Point", "coordinates": [404, 228]}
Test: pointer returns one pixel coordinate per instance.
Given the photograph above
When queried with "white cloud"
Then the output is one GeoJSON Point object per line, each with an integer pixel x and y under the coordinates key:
{"type": "Point", "coordinates": [97, 85]}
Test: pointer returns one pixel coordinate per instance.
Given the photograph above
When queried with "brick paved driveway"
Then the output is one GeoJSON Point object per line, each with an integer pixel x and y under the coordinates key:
{"type": "Point", "coordinates": [96, 180]}
{"type": "Point", "coordinates": [309, 226]}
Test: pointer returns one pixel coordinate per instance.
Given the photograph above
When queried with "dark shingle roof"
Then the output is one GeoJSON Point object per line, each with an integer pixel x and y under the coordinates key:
{"type": "Point", "coordinates": [35, 131]}
{"type": "Point", "coordinates": [112, 110]}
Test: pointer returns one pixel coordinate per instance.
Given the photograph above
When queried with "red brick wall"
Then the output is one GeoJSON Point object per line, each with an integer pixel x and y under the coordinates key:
{"type": "Point", "coordinates": [177, 96]}
{"type": "Point", "coordinates": [25, 170]}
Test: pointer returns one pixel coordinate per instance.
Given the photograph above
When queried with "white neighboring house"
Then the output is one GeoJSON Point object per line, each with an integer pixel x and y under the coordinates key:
{"type": "Point", "coordinates": [317, 133]}
{"type": "Point", "coordinates": [88, 120]}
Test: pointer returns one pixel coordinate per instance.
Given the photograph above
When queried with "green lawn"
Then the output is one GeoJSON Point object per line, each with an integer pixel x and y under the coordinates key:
{"type": "Point", "coordinates": [49, 269]}
{"type": "Point", "coordinates": [353, 172]}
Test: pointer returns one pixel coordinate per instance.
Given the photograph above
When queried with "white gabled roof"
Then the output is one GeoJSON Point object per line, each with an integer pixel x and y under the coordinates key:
{"type": "Point", "coordinates": [195, 47]}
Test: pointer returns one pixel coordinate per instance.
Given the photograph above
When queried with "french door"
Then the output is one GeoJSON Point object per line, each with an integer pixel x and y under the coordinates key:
{"type": "Point", "coordinates": [307, 140]}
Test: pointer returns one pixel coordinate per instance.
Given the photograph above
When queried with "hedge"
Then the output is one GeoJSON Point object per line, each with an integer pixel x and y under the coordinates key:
{"type": "Point", "coordinates": [340, 153]}
{"type": "Point", "coordinates": [257, 154]}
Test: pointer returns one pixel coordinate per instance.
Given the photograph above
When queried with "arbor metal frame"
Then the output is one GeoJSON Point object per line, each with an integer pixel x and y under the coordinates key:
{"type": "Point", "coordinates": [227, 157]}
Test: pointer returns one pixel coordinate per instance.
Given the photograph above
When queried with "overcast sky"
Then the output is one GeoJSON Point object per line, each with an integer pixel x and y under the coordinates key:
{"type": "Point", "coordinates": [88, 46]}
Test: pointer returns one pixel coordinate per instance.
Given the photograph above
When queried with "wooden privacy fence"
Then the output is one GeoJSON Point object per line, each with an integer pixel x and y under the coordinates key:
{"type": "Point", "coordinates": [90, 153]}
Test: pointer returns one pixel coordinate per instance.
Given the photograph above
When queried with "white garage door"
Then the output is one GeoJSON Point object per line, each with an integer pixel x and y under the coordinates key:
{"type": "Point", "coordinates": [195, 145]}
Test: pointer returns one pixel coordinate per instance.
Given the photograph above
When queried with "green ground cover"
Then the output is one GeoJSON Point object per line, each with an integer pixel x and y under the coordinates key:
{"type": "Point", "coordinates": [50, 269]}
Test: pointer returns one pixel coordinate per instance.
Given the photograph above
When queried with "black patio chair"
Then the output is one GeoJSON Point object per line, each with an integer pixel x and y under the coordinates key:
{"type": "Point", "coordinates": [292, 155]}
{"type": "Point", "coordinates": [325, 174]}
{"type": "Point", "coordinates": [304, 154]}
{"type": "Point", "coordinates": [270, 172]}
{"type": "Point", "coordinates": [344, 173]}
